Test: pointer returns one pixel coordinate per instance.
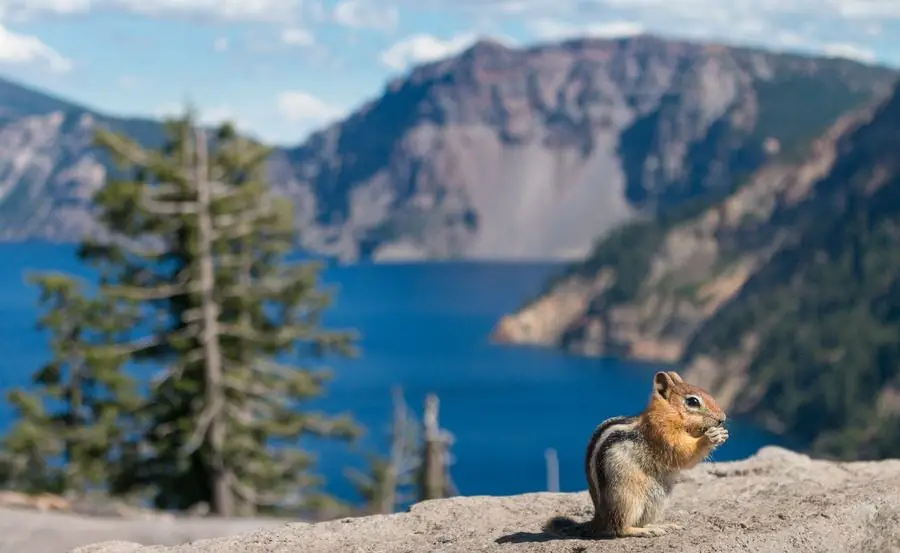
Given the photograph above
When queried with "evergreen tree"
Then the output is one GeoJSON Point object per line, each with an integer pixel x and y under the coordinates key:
{"type": "Point", "coordinates": [70, 422]}
{"type": "Point", "coordinates": [197, 245]}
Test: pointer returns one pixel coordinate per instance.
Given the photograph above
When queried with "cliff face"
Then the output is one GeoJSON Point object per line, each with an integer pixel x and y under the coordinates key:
{"type": "Point", "coordinates": [813, 333]}
{"type": "Point", "coordinates": [49, 171]}
{"type": "Point", "coordinates": [534, 153]}
{"type": "Point", "coordinates": [646, 289]}
{"type": "Point", "coordinates": [494, 153]}
{"type": "Point", "coordinates": [782, 298]}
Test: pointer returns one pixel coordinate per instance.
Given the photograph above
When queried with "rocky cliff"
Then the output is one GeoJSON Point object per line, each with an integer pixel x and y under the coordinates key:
{"type": "Point", "coordinates": [647, 288]}
{"type": "Point", "coordinates": [494, 153]}
{"type": "Point", "coordinates": [776, 501]}
{"type": "Point", "coordinates": [783, 298]}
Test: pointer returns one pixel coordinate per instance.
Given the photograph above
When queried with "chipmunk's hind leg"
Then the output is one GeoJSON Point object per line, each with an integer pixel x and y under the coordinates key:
{"type": "Point", "coordinates": [641, 532]}
{"type": "Point", "coordinates": [633, 531]}
{"type": "Point", "coordinates": [655, 508]}
{"type": "Point", "coordinates": [627, 507]}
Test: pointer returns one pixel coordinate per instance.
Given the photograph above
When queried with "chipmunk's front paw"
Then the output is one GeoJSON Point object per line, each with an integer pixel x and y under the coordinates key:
{"type": "Point", "coordinates": [717, 435]}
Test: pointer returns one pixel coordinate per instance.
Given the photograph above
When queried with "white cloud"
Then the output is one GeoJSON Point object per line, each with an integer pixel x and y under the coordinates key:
{"type": "Point", "coordinates": [496, 7]}
{"type": "Point", "coordinates": [550, 29]}
{"type": "Point", "coordinates": [754, 22]}
{"type": "Point", "coordinates": [220, 44]}
{"type": "Point", "coordinates": [848, 51]}
{"type": "Point", "coordinates": [24, 49]}
{"type": "Point", "coordinates": [217, 115]}
{"type": "Point", "coordinates": [218, 10]}
{"type": "Point", "coordinates": [22, 9]}
{"type": "Point", "coordinates": [421, 48]}
{"type": "Point", "coordinates": [867, 9]}
{"type": "Point", "coordinates": [366, 14]}
{"type": "Point", "coordinates": [227, 10]}
{"type": "Point", "coordinates": [698, 9]}
{"type": "Point", "coordinates": [297, 37]}
{"type": "Point", "coordinates": [298, 106]}
{"type": "Point", "coordinates": [169, 109]}
{"type": "Point", "coordinates": [383, 14]}
{"type": "Point", "coordinates": [789, 39]}
{"type": "Point", "coordinates": [210, 117]}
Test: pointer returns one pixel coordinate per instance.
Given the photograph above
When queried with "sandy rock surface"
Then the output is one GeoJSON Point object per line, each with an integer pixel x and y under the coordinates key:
{"type": "Point", "coordinates": [29, 531]}
{"type": "Point", "coordinates": [776, 501]}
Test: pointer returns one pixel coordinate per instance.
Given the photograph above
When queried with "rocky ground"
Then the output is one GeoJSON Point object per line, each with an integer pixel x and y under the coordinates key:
{"type": "Point", "coordinates": [776, 501]}
{"type": "Point", "coordinates": [26, 531]}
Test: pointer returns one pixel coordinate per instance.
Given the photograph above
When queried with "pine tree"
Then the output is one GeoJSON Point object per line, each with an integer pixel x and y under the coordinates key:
{"type": "Point", "coordinates": [198, 245]}
{"type": "Point", "coordinates": [71, 420]}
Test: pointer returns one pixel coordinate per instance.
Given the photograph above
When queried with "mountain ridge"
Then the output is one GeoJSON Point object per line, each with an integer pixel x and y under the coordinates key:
{"type": "Point", "coordinates": [496, 153]}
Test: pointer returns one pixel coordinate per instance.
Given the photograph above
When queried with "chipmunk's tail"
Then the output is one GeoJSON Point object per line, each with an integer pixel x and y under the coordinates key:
{"type": "Point", "coordinates": [565, 527]}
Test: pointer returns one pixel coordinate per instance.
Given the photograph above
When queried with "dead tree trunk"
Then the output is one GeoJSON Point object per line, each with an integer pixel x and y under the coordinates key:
{"type": "Point", "coordinates": [552, 461]}
{"type": "Point", "coordinates": [391, 480]}
{"type": "Point", "coordinates": [434, 461]}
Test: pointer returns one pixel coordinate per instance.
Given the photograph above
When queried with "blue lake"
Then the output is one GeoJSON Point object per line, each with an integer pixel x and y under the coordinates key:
{"type": "Point", "coordinates": [424, 327]}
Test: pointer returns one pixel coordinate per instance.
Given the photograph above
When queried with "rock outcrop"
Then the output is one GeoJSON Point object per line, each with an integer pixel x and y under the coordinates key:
{"type": "Point", "coordinates": [493, 153]}
{"type": "Point", "coordinates": [776, 501]}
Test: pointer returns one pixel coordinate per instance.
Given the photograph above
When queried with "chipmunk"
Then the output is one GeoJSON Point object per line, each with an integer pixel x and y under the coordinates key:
{"type": "Point", "coordinates": [631, 462]}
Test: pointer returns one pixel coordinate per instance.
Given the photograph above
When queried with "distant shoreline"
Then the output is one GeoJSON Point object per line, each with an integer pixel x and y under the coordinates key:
{"type": "Point", "coordinates": [337, 262]}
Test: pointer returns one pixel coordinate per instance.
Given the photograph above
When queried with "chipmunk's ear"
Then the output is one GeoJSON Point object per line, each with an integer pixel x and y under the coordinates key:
{"type": "Point", "coordinates": [662, 384]}
{"type": "Point", "coordinates": [675, 377]}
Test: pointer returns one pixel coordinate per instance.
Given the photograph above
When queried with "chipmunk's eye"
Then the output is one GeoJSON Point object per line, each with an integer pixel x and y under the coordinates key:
{"type": "Point", "coordinates": [692, 401]}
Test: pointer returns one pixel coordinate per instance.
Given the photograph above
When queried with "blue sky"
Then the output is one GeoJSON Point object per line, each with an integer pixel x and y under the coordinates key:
{"type": "Point", "coordinates": [282, 68]}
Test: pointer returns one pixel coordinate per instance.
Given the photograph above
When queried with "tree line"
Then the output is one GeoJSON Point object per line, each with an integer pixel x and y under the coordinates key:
{"type": "Point", "coordinates": [167, 382]}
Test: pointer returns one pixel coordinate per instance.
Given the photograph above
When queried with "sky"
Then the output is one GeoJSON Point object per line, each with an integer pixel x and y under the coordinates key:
{"type": "Point", "coordinates": [280, 69]}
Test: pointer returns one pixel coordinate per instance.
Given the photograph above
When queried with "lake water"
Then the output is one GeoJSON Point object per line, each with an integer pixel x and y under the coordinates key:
{"type": "Point", "coordinates": [424, 327]}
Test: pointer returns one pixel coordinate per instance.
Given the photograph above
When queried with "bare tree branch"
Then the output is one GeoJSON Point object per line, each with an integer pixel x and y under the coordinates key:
{"type": "Point", "coordinates": [205, 422]}
{"type": "Point", "coordinates": [129, 150]}
{"type": "Point", "coordinates": [168, 208]}
{"type": "Point", "coordinates": [136, 346]}
{"type": "Point", "coordinates": [156, 293]}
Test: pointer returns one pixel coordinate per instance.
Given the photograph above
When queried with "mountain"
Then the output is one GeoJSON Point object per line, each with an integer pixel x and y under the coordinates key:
{"type": "Point", "coordinates": [783, 298]}
{"type": "Point", "coordinates": [533, 153]}
{"type": "Point", "coordinates": [48, 167]}
{"type": "Point", "coordinates": [493, 153]}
